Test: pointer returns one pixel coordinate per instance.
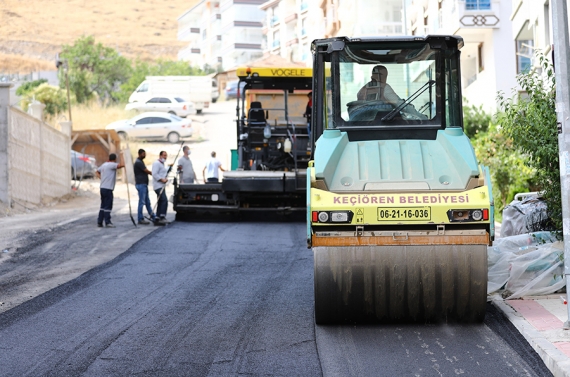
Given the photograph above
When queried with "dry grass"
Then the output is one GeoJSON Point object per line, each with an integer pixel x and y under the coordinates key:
{"type": "Point", "coordinates": [93, 116]}
{"type": "Point", "coordinates": [33, 31]}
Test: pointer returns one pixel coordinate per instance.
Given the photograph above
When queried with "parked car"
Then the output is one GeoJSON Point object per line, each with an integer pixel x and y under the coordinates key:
{"type": "Point", "coordinates": [215, 91]}
{"type": "Point", "coordinates": [172, 105]}
{"type": "Point", "coordinates": [153, 126]}
{"type": "Point", "coordinates": [82, 165]}
{"type": "Point", "coordinates": [232, 90]}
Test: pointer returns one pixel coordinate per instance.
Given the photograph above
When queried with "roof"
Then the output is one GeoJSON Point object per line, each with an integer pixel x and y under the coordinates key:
{"type": "Point", "coordinates": [271, 60]}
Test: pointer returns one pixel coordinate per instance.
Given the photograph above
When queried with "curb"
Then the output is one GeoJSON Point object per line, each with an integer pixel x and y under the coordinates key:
{"type": "Point", "coordinates": [554, 359]}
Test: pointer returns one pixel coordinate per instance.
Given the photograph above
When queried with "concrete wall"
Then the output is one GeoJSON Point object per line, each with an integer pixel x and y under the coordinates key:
{"type": "Point", "coordinates": [34, 157]}
{"type": "Point", "coordinates": [4, 104]}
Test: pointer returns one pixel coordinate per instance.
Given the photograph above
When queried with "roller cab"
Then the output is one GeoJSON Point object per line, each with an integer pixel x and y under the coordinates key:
{"type": "Point", "coordinates": [400, 213]}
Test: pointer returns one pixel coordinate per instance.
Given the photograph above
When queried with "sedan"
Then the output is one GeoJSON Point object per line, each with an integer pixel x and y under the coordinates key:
{"type": "Point", "coordinates": [82, 165]}
{"type": "Point", "coordinates": [232, 90]}
{"type": "Point", "coordinates": [172, 105]}
{"type": "Point", "coordinates": [153, 126]}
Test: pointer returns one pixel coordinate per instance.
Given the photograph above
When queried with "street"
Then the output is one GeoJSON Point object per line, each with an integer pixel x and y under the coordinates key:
{"type": "Point", "coordinates": [205, 298]}
{"type": "Point", "coordinates": [225, 299]}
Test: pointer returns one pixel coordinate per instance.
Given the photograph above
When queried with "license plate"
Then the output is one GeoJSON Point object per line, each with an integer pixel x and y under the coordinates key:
{"type": "Point", "coordinates": [407, 213]}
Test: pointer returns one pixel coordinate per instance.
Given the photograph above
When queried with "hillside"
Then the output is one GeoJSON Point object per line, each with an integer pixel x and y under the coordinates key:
{"type": "Point", "coordinates": [33, 31]}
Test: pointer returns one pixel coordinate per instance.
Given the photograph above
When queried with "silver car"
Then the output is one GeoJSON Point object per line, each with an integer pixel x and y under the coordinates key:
{"type": "Point", "coordinates": [153, 126]}
{"type": "Point", "coordinates": [172, 105]}
{"type": "Point", "coordinates": [82, 165]}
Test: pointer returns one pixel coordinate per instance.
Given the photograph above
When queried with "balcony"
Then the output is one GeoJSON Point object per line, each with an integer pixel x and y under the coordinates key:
{"type": "Point", "coordinates": [292, 42]}
{"type": "Point", "coordinates": [291, 17]}
{"type": "Point", "coordinates": [273, 21]}
{"type": "Point", "coordinates": [188, 34]}
{"type": "Point", "coordinates": [188, 53]}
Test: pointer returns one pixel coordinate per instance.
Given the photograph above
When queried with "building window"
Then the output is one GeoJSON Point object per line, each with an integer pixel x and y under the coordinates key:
{"type": "Point", "coordinates": [477, 4]}
{"type": "Point", "coordinates": [524, 55]}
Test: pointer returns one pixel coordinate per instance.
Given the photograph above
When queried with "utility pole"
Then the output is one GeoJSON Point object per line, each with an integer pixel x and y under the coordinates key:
{"type": "Point", "coordinates": [59, 63]}
{"type": "Point", "coordinates": [561, 56]}
{"type": "Point", "coordinates": [65, 69]}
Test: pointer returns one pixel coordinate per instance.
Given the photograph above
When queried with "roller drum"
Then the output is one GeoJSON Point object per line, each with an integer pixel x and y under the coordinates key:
{"type": "Point", "coordinates": [400, 283]}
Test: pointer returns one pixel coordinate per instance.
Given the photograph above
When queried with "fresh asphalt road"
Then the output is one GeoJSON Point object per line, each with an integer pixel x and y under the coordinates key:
{"type": "Point", "coordinates": [229, 299]}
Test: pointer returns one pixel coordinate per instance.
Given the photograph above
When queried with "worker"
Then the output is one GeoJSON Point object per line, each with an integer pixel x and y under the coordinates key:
{"type": "Point", "coordinates": [159, 181]}
{"type": "Point", "coordinates": [377, 89]}
{"type": "Point", "coordinates": [108, 175]}
{"type": "Point", "coordinates": [211, 175]}
{"type": "Point", "coordinates": [141, 184]}
{"type": "Point", "coordinates": [185, 168]}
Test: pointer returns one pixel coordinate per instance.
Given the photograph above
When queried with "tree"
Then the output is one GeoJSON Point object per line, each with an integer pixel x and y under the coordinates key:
{"type": "Point", "coordinates": [94, 69]}
{"type": "Point", "coordinates": [529, 119]}
{"type": "Point", "coordinates": [508, 167]}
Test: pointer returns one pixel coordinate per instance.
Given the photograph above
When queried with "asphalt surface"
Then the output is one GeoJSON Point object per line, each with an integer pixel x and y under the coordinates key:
{"type": "Point", "coordinates": [229, 299]}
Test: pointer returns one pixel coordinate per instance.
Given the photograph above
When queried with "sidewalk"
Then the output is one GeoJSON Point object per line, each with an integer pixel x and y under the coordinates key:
{"type": "Point", "coordinates": [540, 319]}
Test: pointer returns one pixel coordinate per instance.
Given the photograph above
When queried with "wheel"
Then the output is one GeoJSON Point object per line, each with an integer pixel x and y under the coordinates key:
{"type": "Point", "coordinates": [171, 112]}
{"type": "Point", "coordinates": [122, 135]}
{"type": "Point", "coordinates": [173, 137]}
{"type": "Point", "coordinates": [214, 100]}
{"type": "Point", "coordinates": [400, 283]}
{"type": "Point", "coordinates": [199, 111]}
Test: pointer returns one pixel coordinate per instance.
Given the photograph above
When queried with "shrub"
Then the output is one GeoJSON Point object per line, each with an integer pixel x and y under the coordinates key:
{"type": "Point", "coordinates": [530, 121]}
{"type": "Point", "coordinates": [27, 87]}
{"type": "Point", "coordinates": [51, 96]}
{"type": "Point", "coordinates": [475, 119]}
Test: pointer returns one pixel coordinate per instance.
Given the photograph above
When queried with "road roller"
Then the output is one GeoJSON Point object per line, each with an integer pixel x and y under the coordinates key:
{"type": "Point", "coordinates": [399, 211]}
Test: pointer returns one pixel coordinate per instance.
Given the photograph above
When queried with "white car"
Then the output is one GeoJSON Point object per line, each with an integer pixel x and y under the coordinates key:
{"type": "Point", "coordinates": [172, 105]}
{"type": "Point", "coordinates": [153, 126]}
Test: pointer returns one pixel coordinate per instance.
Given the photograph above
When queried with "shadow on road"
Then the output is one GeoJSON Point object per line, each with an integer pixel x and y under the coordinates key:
{"type": "Point", "coordinates": [269, 216]}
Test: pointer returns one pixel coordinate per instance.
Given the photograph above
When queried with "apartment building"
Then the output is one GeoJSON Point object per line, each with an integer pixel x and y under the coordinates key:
{"type": "Point", "coordinates": [222, 33]}
{"type": "Point", "coordinates": [532, 31]}
{"type": "Point", "coordinates": [489, 57]}
{"type": "Point", "coordinates": [291, 25]}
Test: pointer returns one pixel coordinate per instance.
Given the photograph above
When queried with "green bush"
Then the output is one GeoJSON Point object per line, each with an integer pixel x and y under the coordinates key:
{"type": "Point", "coordinates": [26, 87]}
{"type": "Point", "coordinates": [475, 119]}
{"type": "Point", "coordinates": [51, 96]}
{"type": "Point", "coordinates": [508, 167]}
{"type": "Point", "coordinates": [530, 121]}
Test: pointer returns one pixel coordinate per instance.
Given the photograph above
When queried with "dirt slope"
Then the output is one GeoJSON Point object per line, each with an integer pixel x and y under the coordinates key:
{"type": "Point", "coordinates": [33, 31]}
